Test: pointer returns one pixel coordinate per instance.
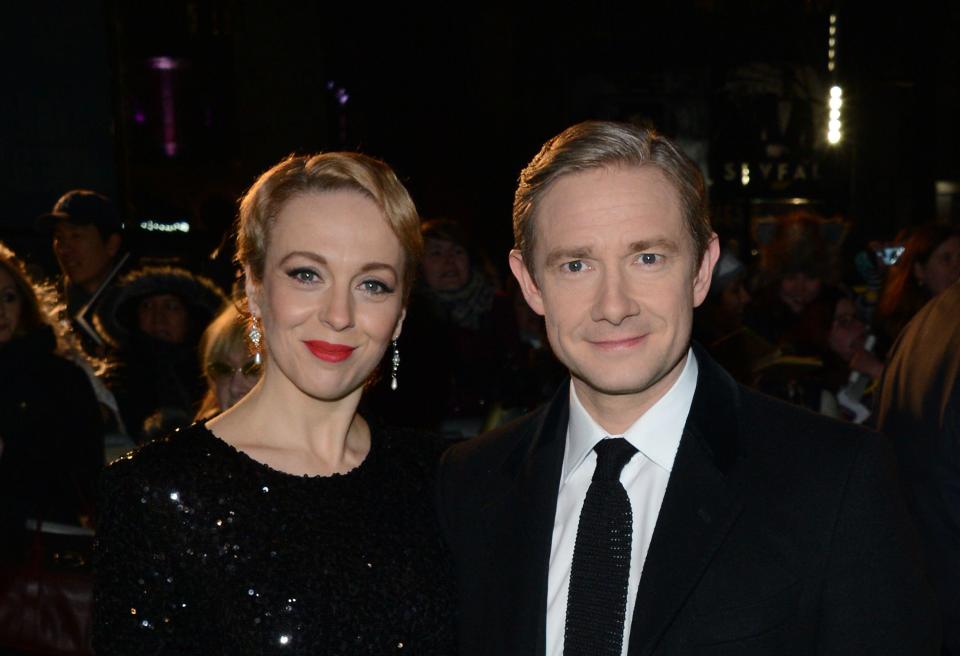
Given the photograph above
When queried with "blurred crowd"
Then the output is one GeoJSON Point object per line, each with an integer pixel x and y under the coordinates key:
{"type": "Point", "coordinates": [113, 351]}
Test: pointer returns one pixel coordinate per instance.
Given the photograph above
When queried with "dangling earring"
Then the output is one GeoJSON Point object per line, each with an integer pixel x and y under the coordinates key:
{"type": "Point", "coordinates": [396, 365]}
{"type": "Point", "coordinates": [254, 334]}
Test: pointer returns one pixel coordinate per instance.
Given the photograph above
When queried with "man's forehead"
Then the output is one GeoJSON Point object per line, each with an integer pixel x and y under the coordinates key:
{"type": "Point", "coordinates": [636, 198]}
{"type": "Point", "coordinates": [65, 225]}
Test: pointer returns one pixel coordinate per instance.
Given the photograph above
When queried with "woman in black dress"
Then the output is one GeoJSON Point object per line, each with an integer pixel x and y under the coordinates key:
{"type": "Point", "coordinates": [51, 427]}
{"type": "Point", "coordinates": [289, 524]}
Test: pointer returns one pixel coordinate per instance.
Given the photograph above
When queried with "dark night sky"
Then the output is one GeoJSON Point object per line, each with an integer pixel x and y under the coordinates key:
{"type": "Point", "coordinates": [457, 102]}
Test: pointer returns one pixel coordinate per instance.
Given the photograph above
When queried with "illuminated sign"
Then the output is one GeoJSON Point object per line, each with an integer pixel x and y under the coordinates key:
{"type": "Point", "coordinates": [157, 226]}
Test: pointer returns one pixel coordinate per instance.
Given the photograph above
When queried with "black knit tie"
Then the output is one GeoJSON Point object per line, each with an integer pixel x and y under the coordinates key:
{"type": "Point", "coordinates": [597, 600]}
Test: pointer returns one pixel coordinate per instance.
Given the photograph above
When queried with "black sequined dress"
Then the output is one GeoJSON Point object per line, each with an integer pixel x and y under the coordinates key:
{"type": "Point", "coordinates": [203, 550]}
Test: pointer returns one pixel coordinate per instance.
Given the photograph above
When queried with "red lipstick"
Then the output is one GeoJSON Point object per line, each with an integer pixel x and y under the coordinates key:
{"type": "Point", "coordinates": [329, 352]}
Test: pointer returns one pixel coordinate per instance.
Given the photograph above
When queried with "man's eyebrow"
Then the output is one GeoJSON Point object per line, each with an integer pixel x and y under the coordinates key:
{"type": "Point", "coordinates": [655, 244]}
{"type": "Point", "coordinates": [563, 254]}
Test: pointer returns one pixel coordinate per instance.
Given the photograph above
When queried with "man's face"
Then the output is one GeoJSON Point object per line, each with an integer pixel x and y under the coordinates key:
{"type": "Point", "coordinates": [84, 256]}
{"type": "Point", "coordinates": [616, 281]}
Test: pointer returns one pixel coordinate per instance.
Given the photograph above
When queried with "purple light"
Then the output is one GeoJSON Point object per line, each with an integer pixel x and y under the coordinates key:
{"type": "Point", "coordinates": [139, 117]}
{"type": "Point", "coordinates": [330, 85]}
{"type": "Point", "coordinates": [163, 63]}
{"type": "Point", "coordinates": [342, 96]}
{"type": "Point", "coordinates": [168, 113]}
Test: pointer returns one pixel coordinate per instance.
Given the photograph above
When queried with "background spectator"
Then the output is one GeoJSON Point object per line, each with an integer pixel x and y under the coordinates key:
{"type": "Point", "coordinates": [50, 421]}
{"type": "Point", "coordinates": [153, 319]}
{"type": "Point", "coordinates": [929, 264]}
{"type": "Point", "coordinates": [718, 322]}
{"type": "Point", "coordinates": [87, 238]}
{"type": "Point", "coordinates": [919, 407]}
{"type": "Point", "coordinates": [229, 366]}
{"type": "Point", "coordinates": [459, 341]}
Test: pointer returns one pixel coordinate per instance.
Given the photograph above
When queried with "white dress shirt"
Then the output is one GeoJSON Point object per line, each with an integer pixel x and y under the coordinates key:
{"type": "Point", "coordinates": [656, 435]}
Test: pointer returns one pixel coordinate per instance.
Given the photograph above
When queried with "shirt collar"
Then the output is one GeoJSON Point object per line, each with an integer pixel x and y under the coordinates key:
{"type": "Point", "coordinates": [656, 434]}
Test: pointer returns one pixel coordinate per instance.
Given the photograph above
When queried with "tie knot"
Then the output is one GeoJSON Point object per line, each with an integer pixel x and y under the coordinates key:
{"type": "Point", "coordinates": [612, 454]}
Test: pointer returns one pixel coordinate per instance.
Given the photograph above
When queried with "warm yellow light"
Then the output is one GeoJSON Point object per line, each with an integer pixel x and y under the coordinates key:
{"type": "Point", "coordinates": [831, 53]}
{"type": "Point", "coordinates": [834, 125]}
{"type": "Point", "coordinates": [833, 137]}
{"type": "Point", "coordinates": [833, 30]}
{"type": "Point", "coordinates": [834, 114]}
{"type": "Point", "coordinates": [836, 102]}
{"type": "Point", "coordinates": [833, 19]}
{"type": "Point", "coordinates": [830, 66]}
{"type": "Point", "coordinates": [836, 92]}
{"type": "Point", "coordinates": [831, 42]}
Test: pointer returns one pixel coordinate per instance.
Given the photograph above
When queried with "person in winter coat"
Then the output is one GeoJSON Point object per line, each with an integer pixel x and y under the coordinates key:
{"type": "Point", "coordinates": [153, 319]}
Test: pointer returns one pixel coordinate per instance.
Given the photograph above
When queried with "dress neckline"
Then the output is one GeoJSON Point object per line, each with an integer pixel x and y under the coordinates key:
{"type": "Point", "coordinates": [243, 456]}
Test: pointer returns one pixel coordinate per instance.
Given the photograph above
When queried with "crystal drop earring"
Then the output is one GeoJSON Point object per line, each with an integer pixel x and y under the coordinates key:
{"type": "Point", "coordinates": [396, 365]}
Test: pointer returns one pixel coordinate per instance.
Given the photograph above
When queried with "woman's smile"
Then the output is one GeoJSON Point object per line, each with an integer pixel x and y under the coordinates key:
{"type": "Point", "coordinates": [329, 352]}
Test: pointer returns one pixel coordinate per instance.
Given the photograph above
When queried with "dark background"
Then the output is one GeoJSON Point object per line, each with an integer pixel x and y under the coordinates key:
{"type": "Point", "coordinates": [173, 107]}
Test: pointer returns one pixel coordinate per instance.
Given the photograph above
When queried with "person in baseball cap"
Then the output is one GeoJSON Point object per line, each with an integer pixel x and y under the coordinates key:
{"type": "Point", "coordinates": [87, 238]}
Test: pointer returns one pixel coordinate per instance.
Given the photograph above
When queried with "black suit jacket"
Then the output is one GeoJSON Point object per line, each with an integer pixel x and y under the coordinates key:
{"type": "Point", "coordinates": [781, 532]}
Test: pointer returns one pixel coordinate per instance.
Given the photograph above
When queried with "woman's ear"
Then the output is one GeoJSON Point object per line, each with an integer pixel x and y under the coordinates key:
{"type": "Point", "coordinates": [396, 331]}
{"type": "Point", "coordinates": [253, 290]}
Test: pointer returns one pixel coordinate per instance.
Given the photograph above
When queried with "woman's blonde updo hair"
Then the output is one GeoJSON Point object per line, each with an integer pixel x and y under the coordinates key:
{"type": "Point", "coordinates": [299, 174]}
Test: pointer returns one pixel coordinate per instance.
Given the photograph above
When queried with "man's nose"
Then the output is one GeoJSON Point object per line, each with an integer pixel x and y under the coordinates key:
{"type": "Point", "coordinates": [614, 302]}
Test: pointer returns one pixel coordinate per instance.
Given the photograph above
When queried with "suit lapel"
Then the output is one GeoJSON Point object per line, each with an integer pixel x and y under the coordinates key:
{"type": "Point", "coordinates": [521, 524]}
{"type": "Point", "coordinates": [699, 507]}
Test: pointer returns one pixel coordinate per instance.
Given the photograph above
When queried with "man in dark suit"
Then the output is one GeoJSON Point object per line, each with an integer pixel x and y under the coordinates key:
{"type": "Point", "coordinates": [919, 407]}
{"type": "Point", "coordinates": [654, 506]}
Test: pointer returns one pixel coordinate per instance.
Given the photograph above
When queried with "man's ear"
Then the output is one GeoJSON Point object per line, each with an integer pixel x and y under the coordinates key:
{"type": "Point", "coordinates": [531, 292]}
{"type": "Point", "coordinates": [253, 290]}
{"type": "Point", "coordinates": [396, 331]}
{"type": "Point", "coordinates": [112, 244]}
{"type": "Point", "coordinates": [701, 283]}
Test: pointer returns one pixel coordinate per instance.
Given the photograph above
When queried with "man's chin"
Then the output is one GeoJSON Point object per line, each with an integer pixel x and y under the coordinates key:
{"type": "Point", "coordinates": [618, 386]}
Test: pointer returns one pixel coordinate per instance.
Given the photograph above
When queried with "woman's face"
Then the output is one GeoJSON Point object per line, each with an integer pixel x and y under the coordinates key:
{"type": "Point", "coordinates": [330, 299]}
{"type": "Point", "coordinates": [942, 268]}
{"type": "Point", "coordinates": [234, 376]}
{"type": "Point", "coordinates": [798, 290]}
{"type": "Point", "coordinates": [847, 332]}
{"type": "Point", "coordinates": [164, 317]}
{"type": "Point", "coordinates": [9, 306]}
{"type": "Point", "coordinates": [446, 265]}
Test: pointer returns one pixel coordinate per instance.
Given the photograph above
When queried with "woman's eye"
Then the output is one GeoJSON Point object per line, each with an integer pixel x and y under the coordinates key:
{"type": "Point", "coordinates": [375, 287]}
{"type": "Point", "coordinates": [303, 275]}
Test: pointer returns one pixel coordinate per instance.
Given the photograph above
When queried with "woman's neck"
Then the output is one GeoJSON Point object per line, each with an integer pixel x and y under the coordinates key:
{"type": "Point", "coordinates": [285, 428]}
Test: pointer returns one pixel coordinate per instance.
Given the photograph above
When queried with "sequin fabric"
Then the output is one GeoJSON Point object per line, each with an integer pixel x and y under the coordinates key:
{"type": "Point", "coordinates": [203, 550]}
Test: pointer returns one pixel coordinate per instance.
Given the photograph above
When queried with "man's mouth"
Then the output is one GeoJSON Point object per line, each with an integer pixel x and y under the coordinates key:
{"type": "Point", "coordinates": [618, 344]}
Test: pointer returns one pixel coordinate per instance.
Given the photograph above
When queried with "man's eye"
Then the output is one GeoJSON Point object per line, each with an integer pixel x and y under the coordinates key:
{"type": "Point", "coordinates": [649, 259]}
{"type": "Point", "coordinates": [575, 266]}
